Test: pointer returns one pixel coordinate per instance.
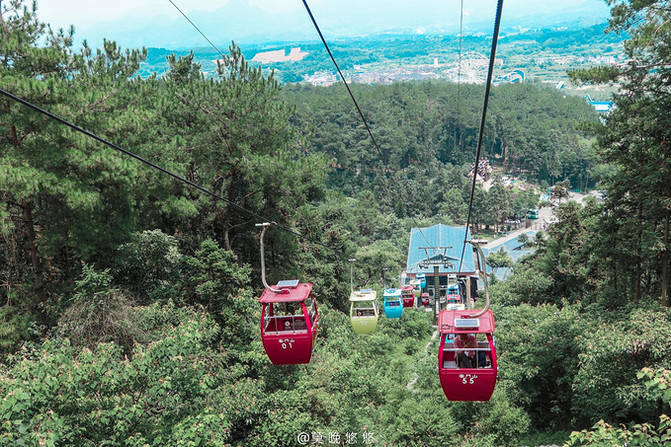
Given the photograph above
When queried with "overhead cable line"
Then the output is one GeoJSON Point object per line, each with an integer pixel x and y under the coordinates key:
{"type": "Point", "coordinates": [222, 56]}
{"type": "Point", "coordinates": [461, 35]}
{"type": "Point", "coordinates": [424, 237]}
{"type": "Point", "coordinates": [321, 36]}
{"type": "Point", "coordinates": [197, 29]}
{"type": "Point", "coordinates": [492, 56]}
{"type": "Point", "coordinates": [155, 166]}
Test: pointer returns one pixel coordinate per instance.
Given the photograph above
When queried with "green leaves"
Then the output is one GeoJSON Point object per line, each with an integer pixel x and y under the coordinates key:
{"type": "Point", "coordinates": [640, 435]}
{"type": "Point", "coordinates": [164, 395]}
{"type": "Point", "coordinates": [657, 382]}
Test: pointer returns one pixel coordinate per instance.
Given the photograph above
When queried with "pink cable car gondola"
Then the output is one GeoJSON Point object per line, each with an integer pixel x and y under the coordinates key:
{"type": "Point", "coordinates": [467, 364]}
{"type": "Point", "coordinates": [289, 322]}
{"type": "Point", "coordinates": [289, 318]}
{"type": "Point", "coordinates": [467, 370]}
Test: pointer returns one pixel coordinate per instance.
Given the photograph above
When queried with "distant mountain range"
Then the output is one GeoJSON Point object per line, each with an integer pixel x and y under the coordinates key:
{"type": "Point", "coordinates": [248, 23]}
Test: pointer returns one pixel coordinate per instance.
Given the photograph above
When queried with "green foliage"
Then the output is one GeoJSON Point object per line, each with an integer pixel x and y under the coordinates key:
{"type": "Point", "coordinates": [166, 394]}
{"type": "Point", "coordinates": [658, 382]}
{"type": "Point", "coordinates": [213, 280]}
{"type": "Point", "coordinates": [527, 285]}
{"type": "Point", "coordinates": [378, 257]}
{"type": "Point", "coordinates": [158, 344]}
{"type": "Point", "coordinates": [634, 141]}
{"type": "Point", "coordinates": [609, 362]}
{"type": "Point", "coordinates": [499, 201]}
{"type": "Point", "coordinates": [423, 422]}
{"type": "Point", "coordinates": [15, 327]}
{"type": "Point", "coordinates": [502, 421]}
{"type": "Point", "coordinates": [149, 265]}
{"type": "Point", "coordinates": [566, 262]}
{"type": "Point", "coordinates": [426, 144]}
{"type": "Point", "coordinates": [539, 359]}
{"type": "Point", "coordinates": [640, 435]}
{"type": "Point", "coordinates": [99, 313]}
{"type": "Point", "coordinates": [500, 258]}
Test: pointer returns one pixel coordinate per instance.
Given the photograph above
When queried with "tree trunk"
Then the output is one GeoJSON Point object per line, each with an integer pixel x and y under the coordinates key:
{"type": "Point", "coordinates": [13, 136]}
{"type": "Point", "coordinates": [227, 240]}
{"type": "Point", "coordinates": [30, 233]}
{"type": "Point", "coordinates": [665, 265]}
{"type": "Point", "coordinates": [637, 286]}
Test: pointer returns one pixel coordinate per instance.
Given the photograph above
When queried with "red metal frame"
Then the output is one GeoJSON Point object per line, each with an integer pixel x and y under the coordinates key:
{"type": "Point", "coordinates": [408, 296]}
{"type": "Point", "coordinates": [289, 340]}
{"type": "Point", "coordinates": [466, 384]}
{"type": "Point", "coordinates": [453, 298]}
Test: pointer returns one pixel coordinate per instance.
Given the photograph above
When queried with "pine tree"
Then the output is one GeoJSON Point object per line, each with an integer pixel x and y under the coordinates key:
{"type": "Point", "coordinates": [636, 139]}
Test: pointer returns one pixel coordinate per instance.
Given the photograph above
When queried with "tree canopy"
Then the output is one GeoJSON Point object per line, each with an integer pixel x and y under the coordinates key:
{"type": "Point", "coordinates": [128, 312]}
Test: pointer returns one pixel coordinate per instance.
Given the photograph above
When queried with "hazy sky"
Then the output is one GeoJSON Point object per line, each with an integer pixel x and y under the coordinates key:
{"type": "Point", "coordinates": [157, 22]}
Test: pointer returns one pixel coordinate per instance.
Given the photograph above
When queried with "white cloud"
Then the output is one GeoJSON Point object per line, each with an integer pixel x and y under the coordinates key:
{"type": "Point", "coordinates": [86, 12]}
{"type": "Point", "coordinates": [158, 23]}
{"type": "Point", "coordinates": [277, 6]}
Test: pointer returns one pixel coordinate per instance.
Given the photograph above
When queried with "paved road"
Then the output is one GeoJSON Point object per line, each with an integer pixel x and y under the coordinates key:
{"type": "Point", "coordinates": [512, 235]}
{"type": "Point", "coordinates": [545, 217]}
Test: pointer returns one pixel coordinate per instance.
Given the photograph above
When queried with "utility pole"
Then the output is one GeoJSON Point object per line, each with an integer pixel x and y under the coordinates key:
{"type": "Point", "coordinates": [436, 295]}
{"type": "Point", "coordinates": [439, 258]}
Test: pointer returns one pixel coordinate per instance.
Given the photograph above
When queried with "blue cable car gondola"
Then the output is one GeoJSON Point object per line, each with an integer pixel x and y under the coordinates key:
{"type": "Point", "coordinates": [393, 307]}
{"type": "Point", "coordinates": [422, 278]}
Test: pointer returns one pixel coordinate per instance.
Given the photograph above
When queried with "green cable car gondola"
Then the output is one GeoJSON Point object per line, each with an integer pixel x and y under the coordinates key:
{"type": "Point", "coordinates": [364, 311]}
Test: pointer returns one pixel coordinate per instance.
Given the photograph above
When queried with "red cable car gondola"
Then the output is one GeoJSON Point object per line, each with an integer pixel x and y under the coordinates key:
{"type": "Point", "coordinates": [408, 296]}
{"type": "Point", "coordinates": [467, 364]}
{"type": "Point", "coordinates": [289, 322]}
{"type": "Point", "coordinates": [467, 368]}
{"type": "Point", "coordinates": [289, 318]}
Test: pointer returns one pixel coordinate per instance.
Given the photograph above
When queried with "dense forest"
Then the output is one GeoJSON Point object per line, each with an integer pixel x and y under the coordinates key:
{"type": "Point", "coordinates": [432, 127]}
{"type": "Point", "coordinates": [128, 301]}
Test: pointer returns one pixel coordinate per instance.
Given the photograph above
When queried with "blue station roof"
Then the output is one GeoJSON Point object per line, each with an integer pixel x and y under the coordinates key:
{"type": "Point", "coordinates": [438, 236]}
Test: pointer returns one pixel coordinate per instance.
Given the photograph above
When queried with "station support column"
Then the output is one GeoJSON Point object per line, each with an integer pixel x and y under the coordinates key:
{"type": "Point", "coordinates": [436, 293]}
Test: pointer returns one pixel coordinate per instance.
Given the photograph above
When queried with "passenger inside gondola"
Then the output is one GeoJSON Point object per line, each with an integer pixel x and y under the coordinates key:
{"type": "Point", "coordinates": [465, 358]}
{"type": "Point", "coordinates": [285, 317]}
{"type": "Point", "coordinates": [475, 357]}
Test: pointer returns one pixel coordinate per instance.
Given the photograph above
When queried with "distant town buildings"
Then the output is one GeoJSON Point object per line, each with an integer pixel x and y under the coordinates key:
{"type": "Point", "coordinates": [472, 70]}
{"type": "Point", "coordinates": [321, 78]}
{"type": "Point", "coordinates": [514, 77]}
{"type": "Point", "coordinates": [600, 106]}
